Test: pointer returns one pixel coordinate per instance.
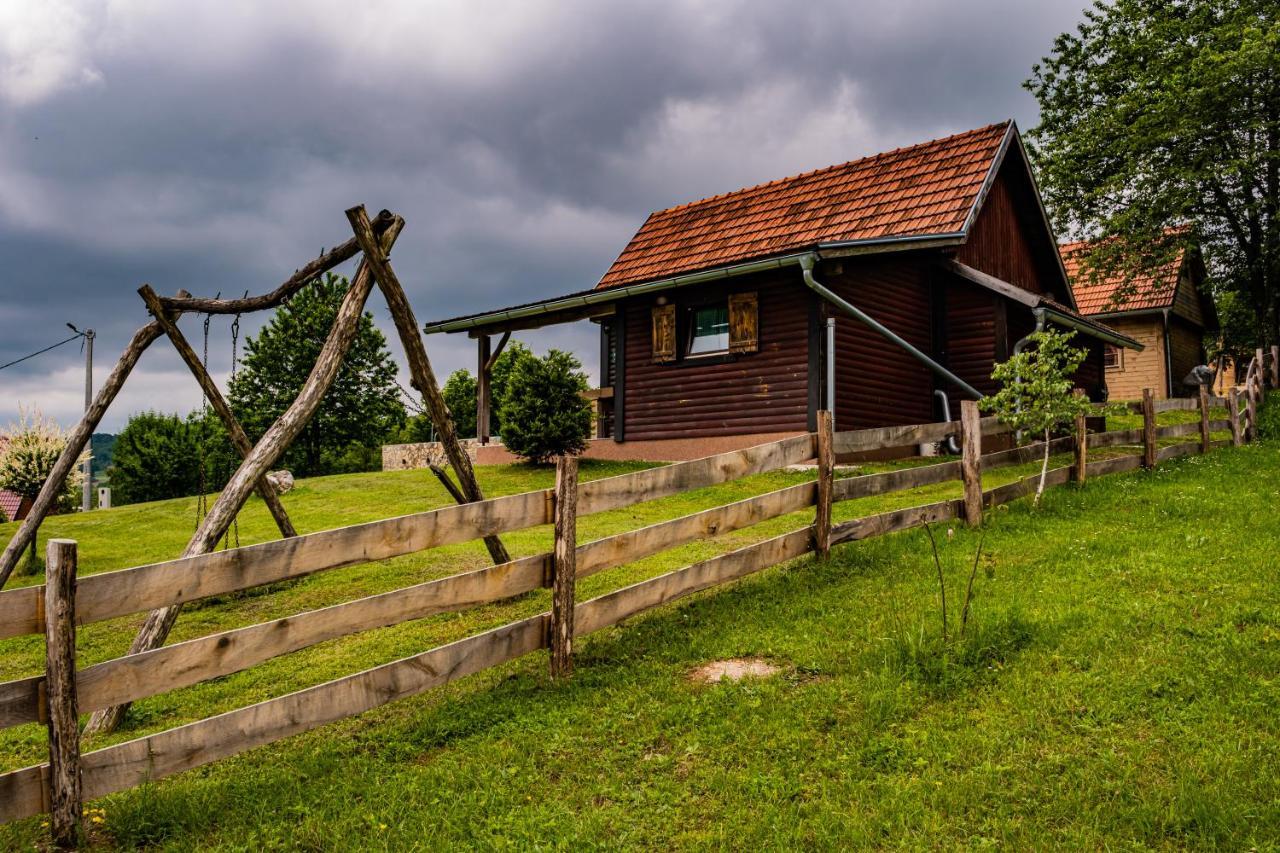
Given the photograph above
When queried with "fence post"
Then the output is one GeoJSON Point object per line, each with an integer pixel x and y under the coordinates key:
{"type": "Point", "coordinates": [1204, 418]}
{"type": "Point", "coordinates": [1275, 365]}
{"type": "Point", "coordinates": [971, 461]}
{"type": "Point", "coordinates": [564, 565]}
{"type": "Point", "coordinates": [1082, 445]}
{"type": "Point", "coordinates": [1148, 429]}
{"type": "Point", "coordinates": [65, 805]}
{"type": "Point", "coordinates": [1262, 368]}
{"type": "Point", "coordinates": [1233, 413]}
{"type": "Point", "coordinates": [826, 485]}
{"type": "Point", "coordinates": [1251, 406]}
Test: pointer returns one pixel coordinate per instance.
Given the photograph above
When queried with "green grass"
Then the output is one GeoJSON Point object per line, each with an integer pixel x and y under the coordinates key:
{"type": "Point", "coordinates": [1116, 686]}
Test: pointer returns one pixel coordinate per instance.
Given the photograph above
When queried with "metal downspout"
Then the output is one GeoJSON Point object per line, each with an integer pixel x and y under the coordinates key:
{"type": "Point", "coordinates": [1018, 347]}
{"type": "Point", "coordinates": [831, 368]}
{"type": "Point", "coordinates": [806, 266]}
{"type": "Point", "coordinates": [1168, 358]}
{"type": "Point", "coordinates": [946, 416]}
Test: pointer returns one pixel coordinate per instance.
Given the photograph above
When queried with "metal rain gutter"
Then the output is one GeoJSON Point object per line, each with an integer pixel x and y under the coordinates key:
{"type": "Point", "coordinates": [807, 262]}
{"type": "Point", "coordinates": [612, 294]}
{"type": "Point", "coordinates": [1093, 331]}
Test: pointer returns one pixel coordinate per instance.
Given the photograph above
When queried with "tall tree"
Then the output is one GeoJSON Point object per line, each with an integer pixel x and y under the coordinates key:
{"type": "Point", "coordinates": [1160, 128]}
{"type": "Point", "coordinates": [361, 408]}
{"type": "Point", "coordinates": [460, 390]}
{"type": "Point", "coordinates": [156, 457]}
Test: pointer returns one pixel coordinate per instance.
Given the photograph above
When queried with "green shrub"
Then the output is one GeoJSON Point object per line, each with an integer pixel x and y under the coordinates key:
{"type": "Point", "coordinates": [544, 414]}
{"type": "Point", "coordinates": [1269, 416]}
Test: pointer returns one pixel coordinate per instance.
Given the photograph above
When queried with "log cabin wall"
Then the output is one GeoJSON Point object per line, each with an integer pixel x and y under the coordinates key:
{"type": "Point", "coordinates": [972, 336]}
{"type": "Point", "coordinates": [1186, 350]}
{"type": "Point", "coordinates": [767, 391]}
{"type": "Point", "coordinates": [1134, 370]}
{"type": "Point", "coordinates": [877, 383]}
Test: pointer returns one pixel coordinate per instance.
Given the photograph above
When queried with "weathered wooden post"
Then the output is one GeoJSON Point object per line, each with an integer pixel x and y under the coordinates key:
{"type": "Point", "coordinates": [564, 565]}
{"type": "Point", "coordinates": [1204, 418]}
{"type": "Point", "coordinates": [1251, 406]}
{"type": "Point", "coordinates": [971, 461]}
{"type": "Point", "coordinates": [1148, 429]}
{"type": "Point", "coordinates": [826, 485]}
{"type": "Point", "coordinates": [483, 394]}
{"type": "Point", "coordinates": [1275, 365]}
{"type": "Point", "coordinates": [1081, 467]}
{"type": "Point", "coordinates": [60, 693]}
{"type": "Point", "coordinates": [1262, 368]}
{"type": "Point", "coordinates": [1233, 413]}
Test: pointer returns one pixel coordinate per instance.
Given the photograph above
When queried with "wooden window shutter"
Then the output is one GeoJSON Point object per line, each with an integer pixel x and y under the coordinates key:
{"type": "Point", "coordinates": [744, 323]}
{"type": "Point", "coordinates": [664, 333]}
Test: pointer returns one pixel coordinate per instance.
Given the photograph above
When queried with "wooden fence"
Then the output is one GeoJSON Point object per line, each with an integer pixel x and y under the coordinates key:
{"type": "Point", "coordinates": [65, 601]}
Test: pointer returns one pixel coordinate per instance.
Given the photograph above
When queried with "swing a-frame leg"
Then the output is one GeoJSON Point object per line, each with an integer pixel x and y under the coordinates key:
{"type": "Point", "coordinates": [424, 378]}
{"type": "Point", "coordinates": [219, 403]}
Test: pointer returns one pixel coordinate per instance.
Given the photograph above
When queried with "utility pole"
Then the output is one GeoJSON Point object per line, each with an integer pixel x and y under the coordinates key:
{"type": "Point", "coordinates": [86, 499]}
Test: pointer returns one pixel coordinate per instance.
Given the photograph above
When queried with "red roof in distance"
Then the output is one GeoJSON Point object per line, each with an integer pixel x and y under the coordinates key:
{"type": "Point", "coordinates": [921, 190]}
{"type": "Point", "coordinates": [1103, 294]}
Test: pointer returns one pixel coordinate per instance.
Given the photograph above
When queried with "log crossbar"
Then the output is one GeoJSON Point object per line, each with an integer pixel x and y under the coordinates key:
{"type": "Point", "coordinates": [107, 595]}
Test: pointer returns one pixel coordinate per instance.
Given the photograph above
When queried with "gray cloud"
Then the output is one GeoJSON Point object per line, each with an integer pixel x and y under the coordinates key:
{"type": "Point", "coordinates": [214, 146]}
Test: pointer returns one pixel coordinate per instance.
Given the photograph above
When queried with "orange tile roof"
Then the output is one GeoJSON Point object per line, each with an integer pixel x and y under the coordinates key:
{"type": "Point", "coordinates": [1117, 292]}
{"type": "Point", "coordinates": [921, 190]}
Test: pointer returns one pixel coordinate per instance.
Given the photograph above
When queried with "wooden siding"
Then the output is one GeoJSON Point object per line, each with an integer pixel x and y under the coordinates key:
{"type": "Point", "coordinates": [877, 383]}
{"type": "Point", "coordinates": [1137, 370]}
{"type": "Point", "coordinates": [1186, 350]}
{"type": "Point", "coordinates": [1186, 300]}
{"type": "Point", "coordinates": [1007, 240]}
{"type": "Point", "coordinates": [761, 392]}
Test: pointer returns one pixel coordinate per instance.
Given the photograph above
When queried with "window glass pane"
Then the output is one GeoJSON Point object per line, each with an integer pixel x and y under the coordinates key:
{"type": "Point", "coordinates": [710, 330]}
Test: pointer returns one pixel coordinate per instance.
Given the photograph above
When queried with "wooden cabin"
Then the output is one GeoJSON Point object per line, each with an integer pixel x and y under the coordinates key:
{"type": "Point", "coordinates": [1167, 309]}
{"type": "Point", "coordinates": [885, 289]}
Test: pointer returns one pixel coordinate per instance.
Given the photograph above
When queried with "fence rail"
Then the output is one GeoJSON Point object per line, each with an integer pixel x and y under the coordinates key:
{"type": "Point", "coordinates": [44, 787]}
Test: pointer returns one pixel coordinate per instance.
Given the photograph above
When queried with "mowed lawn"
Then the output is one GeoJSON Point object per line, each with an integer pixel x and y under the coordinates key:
{"type": "Point", "coordinates": [1117, 686]}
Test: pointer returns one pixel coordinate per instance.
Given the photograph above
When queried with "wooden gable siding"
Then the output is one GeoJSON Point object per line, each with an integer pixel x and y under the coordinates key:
{"type": "Point", "coordinates": [766, 391]}
{"type": "Point", "coordinates": [1186, 350]}
{"type": "Point", "coordinates": [1138, 369]}
{"type": "Point", "coordinates": [1006, 240]}
{"type": "Point", "coordinates": [877, 383]}
{"type": "Point", "coordinates": [1186, 300]}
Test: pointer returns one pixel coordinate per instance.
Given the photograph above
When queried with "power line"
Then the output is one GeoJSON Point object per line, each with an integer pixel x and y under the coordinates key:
{"type": "Point", "coordinates": [74, 337]}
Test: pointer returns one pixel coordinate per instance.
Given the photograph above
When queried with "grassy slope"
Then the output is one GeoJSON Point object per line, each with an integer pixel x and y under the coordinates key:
{"type": "Point", "coordinates": [1136, 710]}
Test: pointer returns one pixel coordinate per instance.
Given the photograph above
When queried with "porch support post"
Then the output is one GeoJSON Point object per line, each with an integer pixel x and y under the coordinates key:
{"type": "Point", "coordinates": [482, 389]}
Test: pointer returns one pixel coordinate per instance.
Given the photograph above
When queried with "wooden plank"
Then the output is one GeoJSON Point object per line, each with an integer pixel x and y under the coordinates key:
{"type": "Point", "coordinates": [826, 483]}
{"type": "Point", "coordinates": [1148, 429]}
{"type": "Point", "coordinates": [147, 759]}
{"type": "Point", "coordinates": [564, 566]}
{"type": "Point", "coordinates": [60, 678]}
{"type": "Point", "coordinates": [1115, 465]}
{"type": "Point", "coordinates": [879, 438]}
{"type": "Point", "coordinates": [633, 545]}
{"type": "Point", "coordinates": [1177, 404]}
{"type": "Point", "coordinates": [20, 611]}
{"type": "Point", "coordinates": [971, 461]}
{"type": "Point", "coordinates": [1175, 430]}
{"type": "Point", "coordinates": [890, 522]}
{"type": "Point", "coordinates": [1026, 453]}
{"type": "Point", "coordinates": [111, 594]}
{"type": "Point", "coordinates": [20, 701]}
{"type": "Point", "coordinates": [615, 606]}
{"type": "Point", "coordinates": [862, 486]}
{"type": "Point", "coordinates": [627, 489]}
{"type": "Point", "coordinates": [1173, 451]}
{"type": "Point", "coordinates": [1115, 438]}
{"type": "Point", "coordinates": [1026, 486]}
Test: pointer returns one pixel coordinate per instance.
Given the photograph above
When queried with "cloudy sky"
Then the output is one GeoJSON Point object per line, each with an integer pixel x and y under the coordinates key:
{"type": "Point", "coordinates": [213, 146]}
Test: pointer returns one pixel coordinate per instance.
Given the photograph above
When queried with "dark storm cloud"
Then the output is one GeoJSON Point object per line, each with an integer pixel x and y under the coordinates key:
{"type": "Point", "coordinates": [214, 146]}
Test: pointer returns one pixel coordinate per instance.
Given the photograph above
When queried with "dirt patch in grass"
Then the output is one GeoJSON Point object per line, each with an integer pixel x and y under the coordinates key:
{"type": "Point", "coordinates": [734, 669]}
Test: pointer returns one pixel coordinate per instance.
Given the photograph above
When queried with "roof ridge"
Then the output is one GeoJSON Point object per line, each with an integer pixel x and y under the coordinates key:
{"type": "Point", "coordinates": [869, 159]}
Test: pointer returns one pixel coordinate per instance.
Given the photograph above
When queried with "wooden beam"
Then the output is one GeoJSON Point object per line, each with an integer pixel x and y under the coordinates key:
{"type": "Point", "coordinates": [424, 378]}
{"type": "Point", "coordinates": [1148, 429]}
{"type": "Point", "coordinates": [538, 321]}
{"type": "Point", "coordinates": [1233, 413]}
{"type": "Point", "coordinates": [300, 279]}
{"type": "Point", "coordinates": [274, 442]}
{"type": "Point", "coordinates": [1204, 419]}
{"type": "Point", "coordinates": [60, 689]}
{"type": "Point", "coordinates": [900, 519]}
{"type": "Point", "coordinates": [218, 403]}
{"type": "Point", "coordinates": [483, 393]}
{"type": "Point", "coordinates": [564, 567]}
{"type": "Point", "coordinates": [826, 486]}
{"type": "Point", "coordinates": [1081, 446]}
{"type": "Point", "coordinates": [76, 443]}
{"type": "Point", "coordinates": [449, 486]}
{"type": "Point", "coordinates": [497, 351]}
{"type": "Point", "coordinates": [971, 461]}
